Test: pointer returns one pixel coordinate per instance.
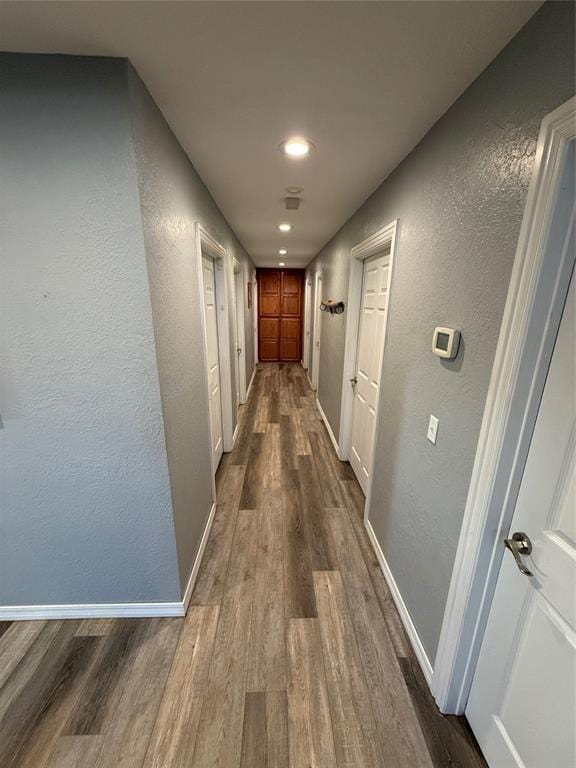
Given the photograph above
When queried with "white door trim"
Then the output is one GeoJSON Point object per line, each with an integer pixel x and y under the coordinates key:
{"type": "Point", "coordinates": [204, 243]}
{"type": "Point", "coordinates": [255, 315]}
{"type": "Point", "coordinates": [384, 237]}
{"type": "Point", "coordinates": [514, 392]}
{"type": "Point", "coordinates": [240, 307]}
{"type": "Point", "coordinates": [306, 344]}
{"type": "Point", "coordinates": [315, 379]}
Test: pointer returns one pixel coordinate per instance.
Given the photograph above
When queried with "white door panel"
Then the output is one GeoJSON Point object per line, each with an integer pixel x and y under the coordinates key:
{"type": "Point", "coordinates": [373, 309]}
{"type": "Point", "coordinates": [213, 360]}
{"type": "Point", "coordinates": [522, 702]}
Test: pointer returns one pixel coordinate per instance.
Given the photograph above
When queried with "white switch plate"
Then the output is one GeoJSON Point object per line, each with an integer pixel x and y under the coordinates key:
{"type": "Point", "coordinates": [432, 429]}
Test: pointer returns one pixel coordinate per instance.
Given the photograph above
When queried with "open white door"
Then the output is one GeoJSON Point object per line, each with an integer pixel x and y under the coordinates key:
{"type": "Point", "coordinates": [370, 350]}
{"type": "Point", "coordinates": [522, 702]}
{"type": "Point", "coordinates": [317, 332]}
{"type": "Point", "coordinates": [213, 360]}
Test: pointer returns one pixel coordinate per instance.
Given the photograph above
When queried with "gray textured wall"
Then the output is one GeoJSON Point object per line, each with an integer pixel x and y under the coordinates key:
{"type": "Point", "coordinates": [174, 197]}
{"type": "Point", "coordinates": [459, 197]}
{"type": "Point", "coordinates": [85, 511]}
{"type": "Point", "coordinates": [105, 459]}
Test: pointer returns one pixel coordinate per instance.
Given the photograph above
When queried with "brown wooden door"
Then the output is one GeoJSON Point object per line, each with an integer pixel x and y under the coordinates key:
{"type": "Point", "coordinates": [280, 314]}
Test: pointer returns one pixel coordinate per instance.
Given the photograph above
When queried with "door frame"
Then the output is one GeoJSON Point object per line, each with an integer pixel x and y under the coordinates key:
{"type": "Point", "coordinates": [205, 244]}
{"type": "Point", "coordinates": [372, 246]}
{"type": "Point", "coordinates": [516, 383]}
{"type": "Point", "coordinates": [306, 328]}
{"type": "Point", "coordinates": [240, 308]}
{"type": "Point", "coordinates": [254, 282]}
{"type": "Point", "coordinates": [317, 324]}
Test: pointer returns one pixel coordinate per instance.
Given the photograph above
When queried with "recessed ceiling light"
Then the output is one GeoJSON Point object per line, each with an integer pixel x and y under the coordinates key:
{"type": "Point", "coordinates": [282, 251]}
{"type": "Point", "coordinates": [285, 227]}
{"type": "Point", "coordinates": [281, 264]}
{"type": "Point", "coordinates": [296, 147]}
{"type": "Point", "coordinates": [294, 190]}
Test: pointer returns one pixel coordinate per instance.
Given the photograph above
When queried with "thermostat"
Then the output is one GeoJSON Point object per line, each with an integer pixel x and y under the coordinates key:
{"type": "Point", "coordinates": [445, 342]}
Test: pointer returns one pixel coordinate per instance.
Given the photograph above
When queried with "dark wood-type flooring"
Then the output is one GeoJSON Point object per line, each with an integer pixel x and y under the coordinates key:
{"type": "Point", "coordinates": [292, 652]}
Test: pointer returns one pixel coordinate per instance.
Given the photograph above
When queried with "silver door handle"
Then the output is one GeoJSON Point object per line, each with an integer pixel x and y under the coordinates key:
{"type": "Point", "coordinates": [354, 380]}
{"type": "Point", "coordinates": [520, 545]}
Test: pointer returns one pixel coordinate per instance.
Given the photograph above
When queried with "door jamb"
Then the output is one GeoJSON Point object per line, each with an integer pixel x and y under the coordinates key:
{"type": "Point", "coordinates": [204, 243]}
{"type": "Point", "coordinates": [254, 281]}
{"type": "Point", "coordinates": [306, 329]}
{"type": "Point", "coordinates": [384, 237]}
{"type": "Point", "coordinates": [240, 304]}
{"type": "Point", "coordinates": [516, 383]}
{"type": "Point", "coordinates": [315, 378]}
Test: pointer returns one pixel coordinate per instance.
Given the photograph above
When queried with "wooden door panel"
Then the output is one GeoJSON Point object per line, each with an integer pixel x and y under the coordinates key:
{"type": "Point", "coordinates": [290, 350]}
{"type": "Point", "coordinates": [269, 350]}
{"type": "Point", "coordinates": [291, 305]}
{"type": "Point", "coordinates": [280, 314]}
{"type": "Point", "coordinates": [290, 328]}
{"type": "Point", "coordinates": [270, 328]}
{"type": "Point", "coordinates": [270, 305]}
{"type": "Point", "coordinates": [291, 283]}
{"type": "Point", "coordinates": [270, 281]}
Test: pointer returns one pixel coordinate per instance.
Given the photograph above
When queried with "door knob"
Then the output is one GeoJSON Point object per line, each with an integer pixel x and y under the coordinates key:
{"type": "Point", "coordinates": [520, 545]}
{"type": "Point", "coordinates": [354, 380]}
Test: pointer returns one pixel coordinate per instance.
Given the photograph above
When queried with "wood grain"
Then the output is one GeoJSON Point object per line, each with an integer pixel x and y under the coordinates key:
{"type": "Point", "coordinates": [27, 706]}
{"type": "Point", "coordinates": [402, 742]}
{"type": "Point", "coordinates": [15, 644]}
{"type": "Point", "coordinates": [254, 739]}
{"type": "Point", "coordinates": [219, 735]}
{"type": "Point", "coordinates": [75, 751]}
{"type": "Point", "coordinates": [212, 574]}
{"type": "Point", "coordinates": [355, 734]}
{"type": "Point", "coordinates": [277, 729]}
{"type": "Point", "coordinates": [300, 601]}
{"type": "Point", "coordinates": [96, 627]}
{"type": "Point", "coordinates": [174, 735]}
{"type": "Point", "coordinates": [309, 722]}
{"type": "Point", "coordinates": [128, 734]}
{"type": "Point", "coordinates": [267, 652]}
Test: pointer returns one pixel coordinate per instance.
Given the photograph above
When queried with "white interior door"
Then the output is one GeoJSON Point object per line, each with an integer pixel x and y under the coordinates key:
{"type": "Point", "coordinates": [213, 360]}
{"type": "Point", "coordinates": [522, 702]}
{"type": "Point", "coordinates": [306, 349]}
{"type": "Point", "coordinates": [240, 334]}
{"type": "Point", "coordinates": [371, 332]}
{"type": "Point", "coordinates": [317, 333]}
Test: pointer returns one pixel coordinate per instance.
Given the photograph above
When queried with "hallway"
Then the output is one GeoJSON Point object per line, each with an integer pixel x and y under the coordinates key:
{"type": "Point", "coordinates": [292, 653]}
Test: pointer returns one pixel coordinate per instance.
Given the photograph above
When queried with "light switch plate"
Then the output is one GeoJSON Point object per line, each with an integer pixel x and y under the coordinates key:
{"type": "Point", "coordinates": [432, 429]}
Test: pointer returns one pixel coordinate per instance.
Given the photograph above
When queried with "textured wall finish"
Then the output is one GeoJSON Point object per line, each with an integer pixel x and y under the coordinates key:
{"type": "Point", "coordinates": [105, 459]}
{"type": "Point", "coordinates": [86, 512]}
{"type": "Point", "coordinates": [459, 198]}
{"type": "Point", "coordinates": [173, 198]}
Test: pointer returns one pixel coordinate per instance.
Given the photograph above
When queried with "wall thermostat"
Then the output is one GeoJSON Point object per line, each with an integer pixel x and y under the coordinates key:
{"type": "Point", "coordinates": [445, 342]}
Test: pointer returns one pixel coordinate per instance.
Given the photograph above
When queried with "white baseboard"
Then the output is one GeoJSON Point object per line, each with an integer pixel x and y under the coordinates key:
{"type": "Point", "coordinates": [329, 428]}
{"type": "Point", "coordinates": [251, 382]}
{"type": "Point", "coordinates": [234, 436]}
{"type": "Point", "coordinates": [90, 611]}
{"type": "Point", "coordinates": [198, 559]}
{"type": "Point", "coordinates": [411, 631]}
{"type": "Point", "coordinates": [112, 610]}
{"type": "Point", "coordinates": [310, 380]}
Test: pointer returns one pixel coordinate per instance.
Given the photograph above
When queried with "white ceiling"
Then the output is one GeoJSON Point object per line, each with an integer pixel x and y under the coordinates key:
{"type": "Point", "coordinates": [363, 80]}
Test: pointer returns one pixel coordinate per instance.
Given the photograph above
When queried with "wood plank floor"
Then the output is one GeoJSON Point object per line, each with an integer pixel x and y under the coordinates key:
{"type": "Point", "coordinates": [292, 654]}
